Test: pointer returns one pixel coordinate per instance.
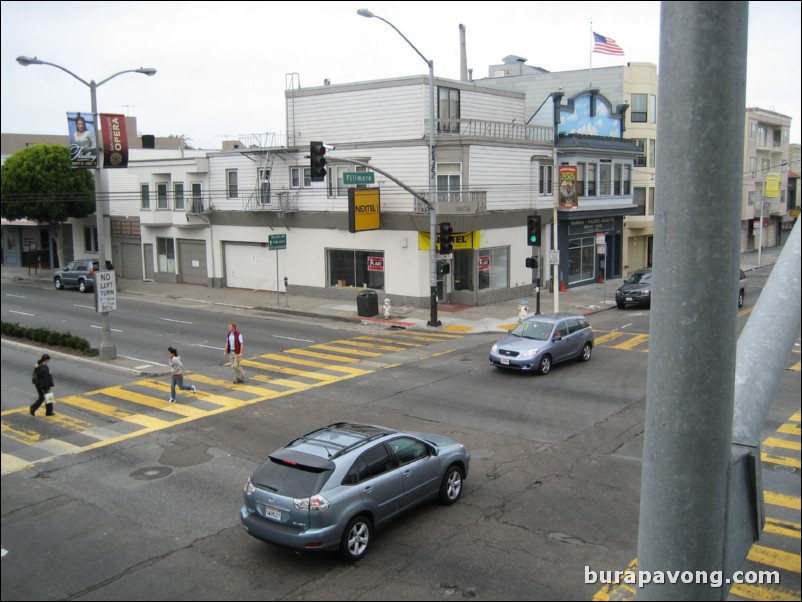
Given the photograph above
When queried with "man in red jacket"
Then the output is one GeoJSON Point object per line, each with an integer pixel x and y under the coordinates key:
{"type": "Point", "coordinates": [234, 349]}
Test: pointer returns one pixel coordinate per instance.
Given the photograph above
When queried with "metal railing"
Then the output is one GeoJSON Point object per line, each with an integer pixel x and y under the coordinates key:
{"type": "Point", "coordinates": [497, 130]}
{"type": "Point", "coordinates": [459, 202]}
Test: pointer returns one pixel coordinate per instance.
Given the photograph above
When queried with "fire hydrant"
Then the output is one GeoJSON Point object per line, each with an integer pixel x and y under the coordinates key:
{"type": "Point", "coordinates": [386, 308]}
{"type": "Point", "coordinates": [523, 309]}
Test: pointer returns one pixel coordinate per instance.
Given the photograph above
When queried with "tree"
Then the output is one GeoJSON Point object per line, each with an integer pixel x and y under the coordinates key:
{"type": "Point", "coordinates": [186, 141]}
{"type": "Point", "coordinates": [38, 184]}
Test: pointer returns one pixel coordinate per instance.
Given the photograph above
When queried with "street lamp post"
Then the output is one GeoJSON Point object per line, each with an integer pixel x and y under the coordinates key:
{"type": "Point", "coordinates": [433, 321]}
{"type": "Point", "coordinates": [107, 349]}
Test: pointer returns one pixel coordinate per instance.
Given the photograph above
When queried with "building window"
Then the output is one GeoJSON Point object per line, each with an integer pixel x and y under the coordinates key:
{"type": "Point", "coordinates": [546, 174]}
{"type": "Point", "coordinates": [640, 158]}
{"type": "Point", "coordinates": [144, 195]}
{"type": "Point", "coordinates": [652, 152]}
{"type": "Point", "coordinates": [752, 166]}
{"type": "Point", "coordinates": [752, 129]}
{"type": "Point", "coordinates": [605, 178]}
{"type": "Point", "coordinates": [591, 179]}
{"type": "Point", "coordinates": [90, 240]}
{"type": "Point", "coordinates": [580, 259]}
{"type": "Point", "coordinates": [300, 177]}
{"type": "Point", "coordinates": [348, 267]}
{"type": "Point", "coordinates": [264, 186]}
{"type": "Point", "coordinates": [640, 200]}
{"type": "Point", "coordinates": [449, 181]}
{"type": "Point", "coordinates": [580, 179]}
{"type": "Point", "coordinates": [448, 110]}
{"type": "Point", "coordinates": [493, 267]}
{"type": "Point", "coordinates": [178, 193]}
{"type": "Point", "coordinates": [651, 200]}
{"type": "Point", "coordinates": [761, 136]}
{"type": "Point", "coordinates": [166, 252]}
{"type": "Point", "coordinates": [638, 112]}
{"type": "Point", "coordinates": [161, 196]}
{"type": "Point", "coordinates": [652, 108]}
{"type": "Point", "coordinates": [617, 179]}
{"type": "Point", "coordinates": [627, 179]}
{"type": "Point", "coordinates": [197, 197]}
{"type": "Point", "coordinates": [232, 189]}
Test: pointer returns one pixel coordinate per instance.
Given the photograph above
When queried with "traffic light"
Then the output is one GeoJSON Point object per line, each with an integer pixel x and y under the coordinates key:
{"type": "Point", "coordinates": [443, 269]}
{"type": "Point", "coordinates": [533, 230]}
{"type": "Point", "coordinates": [531, 262]}
{"type": "Point", "coordinates": [317, 161]}
{"type": "Point", "coordinates": [446, 243]}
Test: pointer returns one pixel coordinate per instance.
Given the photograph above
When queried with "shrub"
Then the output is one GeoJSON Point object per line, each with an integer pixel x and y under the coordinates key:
{"type": "Point", "coordinates": [49, 337]}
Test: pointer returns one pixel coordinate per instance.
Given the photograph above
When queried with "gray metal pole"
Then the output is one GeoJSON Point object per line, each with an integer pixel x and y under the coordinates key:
{"type": "Point", "coordinates": [690, 383]}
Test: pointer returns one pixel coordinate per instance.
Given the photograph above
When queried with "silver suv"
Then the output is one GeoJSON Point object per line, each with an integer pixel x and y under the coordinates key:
{"type": "Point", "coordinates": [330, 489]}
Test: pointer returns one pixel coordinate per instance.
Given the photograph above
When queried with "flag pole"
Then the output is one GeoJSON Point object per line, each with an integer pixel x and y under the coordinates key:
{"type": "Point", "coordinates": [590, 62]}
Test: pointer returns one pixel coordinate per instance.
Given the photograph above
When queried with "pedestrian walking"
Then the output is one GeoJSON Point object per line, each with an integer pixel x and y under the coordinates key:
{"type": "Point", "coordinates": [43, 381]}
{"type": "Point", "coordinates": [234, 348]}
{"type": "Point", "coordinates": [177, 374]}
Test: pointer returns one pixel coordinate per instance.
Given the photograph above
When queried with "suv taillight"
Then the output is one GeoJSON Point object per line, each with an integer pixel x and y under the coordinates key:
{"type": "Point", "coordinates": [91, 270]}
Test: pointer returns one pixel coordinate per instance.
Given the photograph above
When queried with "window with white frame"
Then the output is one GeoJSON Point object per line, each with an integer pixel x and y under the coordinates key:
{"type": "Point", "coordinates": [605, 177]}
{"type": "Point", "coordinates": [640, 200]}
{"type": "Point", "coordinates": [581, 171]}
{"type": "Point", "coordinates": [232, 188]}
{"type": "Point", "coordinates": [752, 130]}
{"type": "Point", "coordinates": [652, 108]}
{"type": "Point", "coordinates": [640, 158]}
{"type": "Point", "coordinates": [652, 151]}
{"type": "Point", "coordinates": [162, 201]}
{"type": "Point", "coordinates": [449, 181]}
{"type": "Point", "coordinates": [144, 195]}
{"type": "Point", "coordinates": [90, 239]}
{"type": "Point", "coordinates": [448, 110]}
{"type": "Point", "coordinates": [178, 195]}
{"type": "Point", "coordinates": [639, 111]}
{"type": "Point", "coordinates": [627, 179]}
{"type": "Point", "coordinates": [166, 255]}
{"type": "Point", "coordinates": [591, 179]}
{"type": "Point", "coordinates": [761, 136]}
{"type": "Point", "coordinates": [752, 166]}
{"type": "Point", "coordinates": [264, 186]}
{"type": "Point", "coordinates": [300, 177]}
{"type": "Point", "coordinates": [618, 179]}
{"type": "Point", "coordinates": [546, 179]}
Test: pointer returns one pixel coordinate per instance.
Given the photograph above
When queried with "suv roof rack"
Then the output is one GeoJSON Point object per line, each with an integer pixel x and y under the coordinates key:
{"type": "Point", "coordinates": [364, 433]}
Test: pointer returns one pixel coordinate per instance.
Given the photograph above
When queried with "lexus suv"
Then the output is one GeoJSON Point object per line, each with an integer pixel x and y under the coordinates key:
{"type": "Point", "coordinates": [637, 289]}
{"type": "Point", "coordinates": [329, 489]}
{"type": "Point", "coordinates": [79, 274]}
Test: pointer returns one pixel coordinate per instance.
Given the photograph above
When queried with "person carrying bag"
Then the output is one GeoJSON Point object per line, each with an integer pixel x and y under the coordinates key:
{"type": "Point", "coordinates": [43, 381]}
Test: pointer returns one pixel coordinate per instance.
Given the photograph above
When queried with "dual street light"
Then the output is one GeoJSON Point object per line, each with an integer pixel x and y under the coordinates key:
{"type": "Point", "coordinates": [107, 348]}
{"type": "Point", "coordinates": [433, 321]}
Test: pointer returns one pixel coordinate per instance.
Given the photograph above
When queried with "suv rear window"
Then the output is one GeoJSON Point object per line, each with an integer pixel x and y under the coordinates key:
{"type": "Point", "coordinates": [290, 478]}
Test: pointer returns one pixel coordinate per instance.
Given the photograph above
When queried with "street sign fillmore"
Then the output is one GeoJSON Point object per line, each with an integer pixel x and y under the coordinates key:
{"type": "Point", "coordinates": [276, 242]}
{"type": "Point", "coordinates": [358, 177]}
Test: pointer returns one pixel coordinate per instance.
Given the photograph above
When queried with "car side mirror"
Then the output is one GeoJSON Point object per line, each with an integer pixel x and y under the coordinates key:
{"type": "Point", "coordinates": [433, 450]}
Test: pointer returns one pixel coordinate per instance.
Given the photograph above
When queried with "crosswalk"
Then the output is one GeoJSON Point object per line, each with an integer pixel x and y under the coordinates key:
{"type": "Point", "coordinates": [105, 416]}
{"type": "Point", "coordinates": [777, 554]}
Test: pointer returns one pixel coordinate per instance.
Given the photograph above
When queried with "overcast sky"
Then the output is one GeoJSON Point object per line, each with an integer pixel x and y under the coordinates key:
{"type": "Point", "coordinates": [223, 67]}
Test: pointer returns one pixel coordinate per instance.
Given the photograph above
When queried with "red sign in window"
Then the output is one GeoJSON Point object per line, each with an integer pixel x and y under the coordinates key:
{"type": "Point", "coordinates": [375, 264]}
{"type": "Point", "coordinates": [484, 263]}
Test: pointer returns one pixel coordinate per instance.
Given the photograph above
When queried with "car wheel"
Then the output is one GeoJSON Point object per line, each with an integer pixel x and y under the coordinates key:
{"type": "Point", "coordinates": [620, 305]}
{"type": "Point", "coordinates": [451, 487]}
{"type": "Point", "coordinates": [740, 298]}
{"type": "Point", "coordinates": [356, 538]}
{"type": "Point", "coordinates": [58, 284]}
{"type": "Point", "coordinates": [82, 286]}
{"type": "Point", "coordinates": [545, 365]}
{"type": "Point", "coordinates": [586, 351]}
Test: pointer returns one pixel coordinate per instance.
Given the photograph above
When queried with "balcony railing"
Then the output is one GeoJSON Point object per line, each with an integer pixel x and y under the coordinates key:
{"type": "Point", "coordinates": [199, 205]}
{"type": "Point", "coordinates": [281, 201]}
{"type": "Point", "coordinates": [455, 202]}
{"type": "Point", "coordinates": [496, 130]}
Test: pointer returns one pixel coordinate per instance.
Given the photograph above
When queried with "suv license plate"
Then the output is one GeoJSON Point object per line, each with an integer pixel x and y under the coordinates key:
{"type": "Point", "coordinates": [505, 361]}
{"type": "Point", "coordinates": [273, 513]}
{"type": "Point", "coordinates": [629, 298]}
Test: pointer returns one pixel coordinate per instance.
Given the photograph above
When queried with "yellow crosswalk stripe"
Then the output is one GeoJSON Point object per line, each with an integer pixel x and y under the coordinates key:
{"type": "Point", "coordinates": [790, 429]}
{"type": "Point", "coordinates": [95, 407]}
{"type": "Point", "coordinates": [636, 340]}
{"type": "Point", "coordinates": [152, 402]}
{"type": "Point", "coordinates": [19, 434]}
{"type": "Point", "coordinates": [776, 558]}
{"type": "Point", "coordinates": [356, 343]}
{"type": "Point", "coordinates": [610, 336]}
{"type": "Point", "coordinates": [323, 356]}
{"type": "Point", "coordinates": [781, 527]}
{"type": "Point", "coordinates": [781, 460]}
{"type": "Point", "coordinates": [293, 371]}
{"type": "Point", "coordinates": [782, 500]}
{"type": "Point", "coordinates": [70, 423]}
{"type": "Point", "coordinates": [358, 352]}
{"type": "Point", "coordinates": [314, 364]}
{"type": "Point", "coordinates": [782, 443]}
{"type": "Point", "coordinates": [769, 593]}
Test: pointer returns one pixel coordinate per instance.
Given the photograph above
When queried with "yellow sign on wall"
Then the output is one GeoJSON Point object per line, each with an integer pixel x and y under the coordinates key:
{"type": "Point", "coordinates": [460, 240]}
{"type": "Point", "coordinates": [772, 185]}
{"type": "Point", "coordinates": [364, 209]}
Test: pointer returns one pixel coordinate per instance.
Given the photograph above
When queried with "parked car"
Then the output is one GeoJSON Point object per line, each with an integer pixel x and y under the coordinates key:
{"type": "Point", "coordinates": [637, 289]}
{"type": "Point", "coordinates": [741, 289]}
{"type": "Point", "coordinates": [79, 274]}
{"type": "Point", "coordinates": [330, 489]}
{"type": "Point", "coordinates": [543, 340]}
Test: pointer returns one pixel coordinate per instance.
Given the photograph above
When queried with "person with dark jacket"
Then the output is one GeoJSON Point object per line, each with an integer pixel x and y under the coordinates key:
{"type": "Point", "coordinates": [43, 382]}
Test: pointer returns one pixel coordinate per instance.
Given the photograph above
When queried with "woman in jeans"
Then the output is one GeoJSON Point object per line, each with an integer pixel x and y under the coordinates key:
{"type": "Point", "coordinates": [177, 376]}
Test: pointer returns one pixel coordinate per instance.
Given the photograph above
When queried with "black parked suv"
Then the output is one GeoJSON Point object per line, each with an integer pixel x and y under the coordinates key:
{"type": "Point", "coordinates": [79, 274]}
{"type": "Point", "coordinates": [636, 289]}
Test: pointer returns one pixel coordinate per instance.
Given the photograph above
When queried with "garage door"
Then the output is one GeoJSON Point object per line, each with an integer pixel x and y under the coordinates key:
{"type": "Point", "coordinates": [251, 266]}
{"type": "Point", "coordinates": [192, 257]}
{"type": "Point", "coordinates": [131, 261]}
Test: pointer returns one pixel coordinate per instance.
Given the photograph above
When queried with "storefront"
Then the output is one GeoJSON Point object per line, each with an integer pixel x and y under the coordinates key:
{"type": "Point", "coordinates": [590, 247]}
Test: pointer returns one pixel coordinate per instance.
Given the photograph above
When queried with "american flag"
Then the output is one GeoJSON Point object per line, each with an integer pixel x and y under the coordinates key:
{"type": "Point", "coordinates": [606, 45]}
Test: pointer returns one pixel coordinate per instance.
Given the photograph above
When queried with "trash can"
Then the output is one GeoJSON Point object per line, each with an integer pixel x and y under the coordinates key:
{"type": "Point", "coordinates": [367, 304]}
